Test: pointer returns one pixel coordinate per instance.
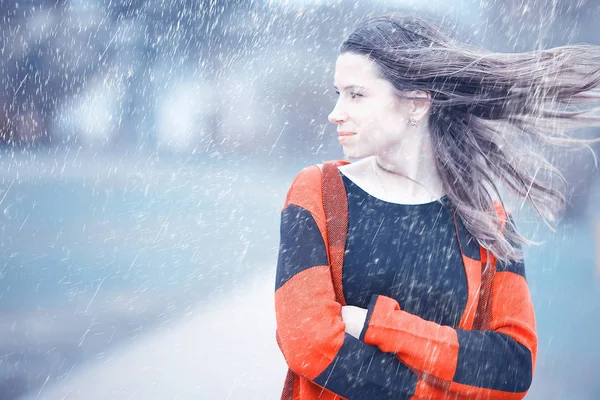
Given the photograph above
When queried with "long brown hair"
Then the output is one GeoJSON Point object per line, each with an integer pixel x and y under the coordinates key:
{"type": "Point", "coordinates": [489, 114]}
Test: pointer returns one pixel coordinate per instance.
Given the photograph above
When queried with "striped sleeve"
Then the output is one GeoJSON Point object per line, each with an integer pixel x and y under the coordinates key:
{"type": "Point", "coordinates": [497, 363]}
{"type": "Point", "coordinates": [310, 330]}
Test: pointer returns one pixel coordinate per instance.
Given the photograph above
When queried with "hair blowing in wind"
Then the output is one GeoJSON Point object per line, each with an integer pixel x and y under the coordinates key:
{"type": "Point", "coordinates": [490, 114]}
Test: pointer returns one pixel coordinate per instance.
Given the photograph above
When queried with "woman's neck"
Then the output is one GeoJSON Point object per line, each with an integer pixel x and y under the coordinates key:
{"type": "Point", "coordinates": [410, 168]}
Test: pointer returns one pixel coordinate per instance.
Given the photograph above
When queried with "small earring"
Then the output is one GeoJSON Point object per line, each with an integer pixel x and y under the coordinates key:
{"type": "Point", "coordinates": [413, 122]}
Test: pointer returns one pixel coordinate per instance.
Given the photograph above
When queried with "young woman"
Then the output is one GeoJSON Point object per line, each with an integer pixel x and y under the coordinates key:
{"type": "Point", "coordinates": [423, 295]}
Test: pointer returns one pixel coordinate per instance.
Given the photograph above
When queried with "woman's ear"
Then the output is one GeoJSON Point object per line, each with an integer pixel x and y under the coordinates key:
{"type": "Point", "coordinates": [420, 104]}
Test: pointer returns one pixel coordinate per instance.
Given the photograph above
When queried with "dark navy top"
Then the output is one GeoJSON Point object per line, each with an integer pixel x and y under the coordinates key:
{"type": "Point", "coordinates": [407, 252]}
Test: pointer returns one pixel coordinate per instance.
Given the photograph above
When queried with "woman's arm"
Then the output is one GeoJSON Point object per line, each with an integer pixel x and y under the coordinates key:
{"type": "Point", "coordinates": [497, 363]}
{"type": "Point", "coordinates": [310, 329]}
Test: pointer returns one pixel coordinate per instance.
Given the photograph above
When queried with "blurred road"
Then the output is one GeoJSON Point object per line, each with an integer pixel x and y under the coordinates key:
{"type": "Point", "coordinates": [226, 350]}
{"type": "Point", "coordinates": [99, 251]}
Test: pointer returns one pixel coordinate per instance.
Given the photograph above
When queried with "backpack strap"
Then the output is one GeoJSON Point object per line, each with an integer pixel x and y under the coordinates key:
{"type": "Point", "coordinates": [483, 315]}
{"type": "Point", "coordinates": [335, 204]}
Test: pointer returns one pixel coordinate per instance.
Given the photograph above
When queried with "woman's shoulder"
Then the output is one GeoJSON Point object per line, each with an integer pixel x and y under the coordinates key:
{"type": "Point", "coordinates": [305, 193]}
{"type": "Point", "coordinates": [307, 176]}
{"type": "Point", "coordinates": [306, 188]}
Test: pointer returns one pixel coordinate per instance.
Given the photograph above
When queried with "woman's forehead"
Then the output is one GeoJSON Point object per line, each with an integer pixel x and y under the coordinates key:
{"type": "Point", "coordinates": [355, 70]}
{"type": "Point", "coordinates": [355, 64]}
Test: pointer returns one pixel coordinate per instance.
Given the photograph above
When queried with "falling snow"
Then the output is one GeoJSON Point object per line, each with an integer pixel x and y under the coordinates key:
{"type": "Point", "coordinates": [147, 146]}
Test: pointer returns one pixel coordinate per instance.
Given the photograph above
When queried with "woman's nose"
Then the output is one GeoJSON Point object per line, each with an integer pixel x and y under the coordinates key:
{"type": "Point", "coordinates": [337, 116]}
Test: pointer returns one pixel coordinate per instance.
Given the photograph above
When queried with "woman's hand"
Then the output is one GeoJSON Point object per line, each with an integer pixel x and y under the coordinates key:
{"type": "Point", "coordinates": [354, 317]}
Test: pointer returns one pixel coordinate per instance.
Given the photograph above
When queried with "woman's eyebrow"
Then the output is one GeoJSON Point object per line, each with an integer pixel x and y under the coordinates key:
{"type": "Point", "coordinates": [349, 87]}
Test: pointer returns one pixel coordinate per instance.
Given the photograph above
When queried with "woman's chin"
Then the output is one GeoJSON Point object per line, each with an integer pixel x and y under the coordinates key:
{"type": "Point", "coordinates": [352, 154]}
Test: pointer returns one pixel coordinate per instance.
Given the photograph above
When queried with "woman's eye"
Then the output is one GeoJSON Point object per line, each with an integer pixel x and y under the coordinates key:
{"type": "Point", "coordinates": [353, 95]}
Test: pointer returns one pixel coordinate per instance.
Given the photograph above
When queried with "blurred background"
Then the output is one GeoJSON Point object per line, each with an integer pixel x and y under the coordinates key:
{"type": "Point", "coordinates": [146, 150]}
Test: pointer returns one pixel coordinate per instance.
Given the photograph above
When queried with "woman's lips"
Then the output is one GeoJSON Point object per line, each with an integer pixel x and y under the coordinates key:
{"type": "Point", "coordinates": [343, 137]}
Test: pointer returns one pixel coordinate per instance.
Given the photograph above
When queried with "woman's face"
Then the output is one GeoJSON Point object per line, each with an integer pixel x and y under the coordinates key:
{"type": "Point", "coordinates": [370, 117]}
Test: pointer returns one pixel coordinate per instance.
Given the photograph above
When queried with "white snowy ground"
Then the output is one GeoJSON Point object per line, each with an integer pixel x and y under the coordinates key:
{"type": "Point", "coordinates": [225, 350]}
